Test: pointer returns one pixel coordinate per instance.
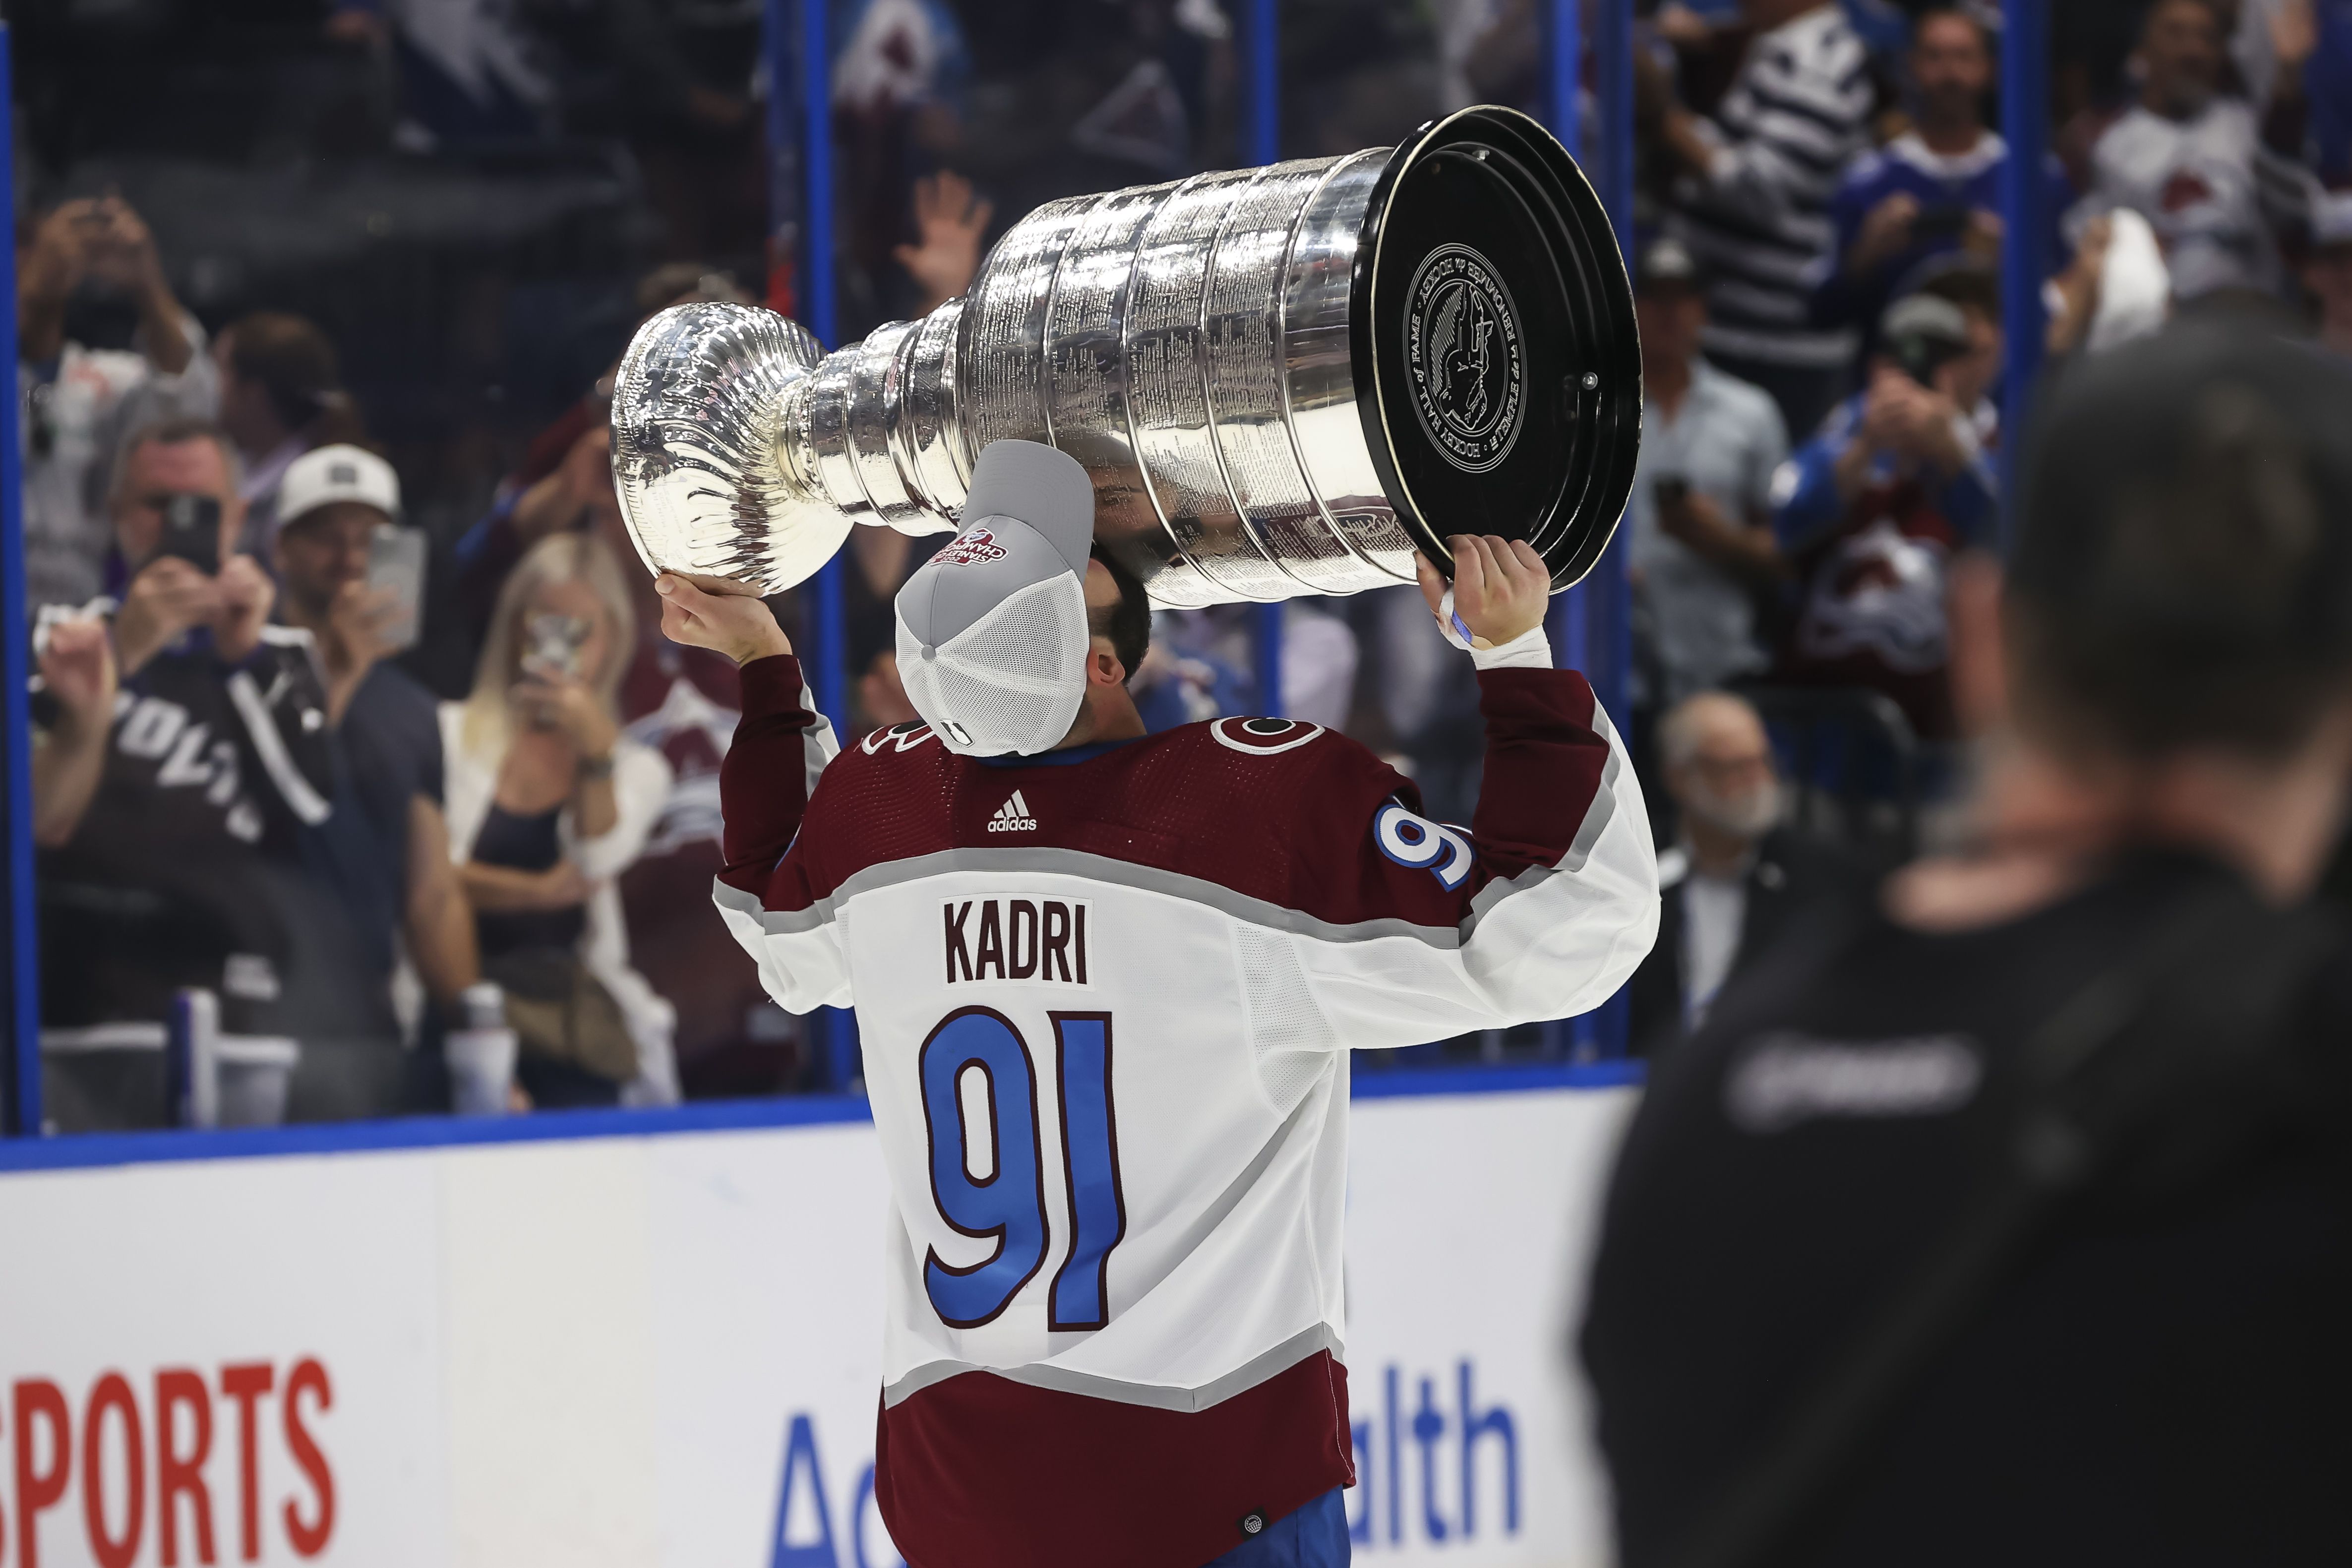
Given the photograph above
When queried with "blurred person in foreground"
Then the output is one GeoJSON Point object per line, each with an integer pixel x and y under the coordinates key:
{"type": "Point", "coordinates": [1751, 195]}
{"type": "Point", "coordinates": [548, 802]}
{"type": "Point", "coordinates": [77, 402]}
{"type": "Point", "coordinates": [1738, 877]}
{"type": "Point", "coordinates": [1175, 939]}
{"type": "Point", "coordinates": [1934, 190]}
{"type": "Point", "coordinates": [1703, 554]}
{"type": "Point", "coordinates": [2006, 1218]}
{"type": "Point", "coordinates": [1900, 481]}
{"type": "Point", "coordinates": [387, 841]}
{"type": "Point", "coordinates": [170, 826]}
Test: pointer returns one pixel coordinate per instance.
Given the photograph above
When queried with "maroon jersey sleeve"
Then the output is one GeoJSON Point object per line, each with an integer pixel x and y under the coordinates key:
{"type": "Point", "coordinates": [1539, 909]}
{"type": "Point", "coordinates": [769, 772]}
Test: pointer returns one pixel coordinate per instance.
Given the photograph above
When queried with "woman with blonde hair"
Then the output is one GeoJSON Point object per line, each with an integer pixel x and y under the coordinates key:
{"type": "Point", "coordinates": [548, 802]}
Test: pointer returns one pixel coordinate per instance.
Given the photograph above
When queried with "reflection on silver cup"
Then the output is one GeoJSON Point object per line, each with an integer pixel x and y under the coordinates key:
{"type": "Point", "coordinates": [1283, 380]}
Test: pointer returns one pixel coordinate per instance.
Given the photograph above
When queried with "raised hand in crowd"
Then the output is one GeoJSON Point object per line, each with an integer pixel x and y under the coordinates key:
{"type": "Point", "coordinates": [1501, 587]}
{"type": "Point", "coordinates": [168, 598]}
{"type": "Point", "coordinates": [565, 706]}
{"type": "Point", "coordinates": [77, 664]}
{"type": "Point", "coordinates": [1899, 417]}
{"type": "Point", "coordinates": [2294, 38]}
{"type": "Point", "coordinates": [737, 625]}
{"type": "Point", "coordinates": [1982, 236]}
{"type": "Point", "coordinates": [577, 495]}
{"type": "Point", "coordinates": [246, 595]}
{"type": "Point", "coordinates": [104, 239]}
{"type": "Point", "coordinates": [1885, 233]}
{"type": "Point", "coordinates": [2078, 287]}
{"type": "Point", "coordinates": [950, 219]}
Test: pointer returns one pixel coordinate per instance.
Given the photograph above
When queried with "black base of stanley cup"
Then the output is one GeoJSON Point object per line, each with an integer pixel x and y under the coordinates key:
{"type": "Point", "coordinates": [1497, 367]}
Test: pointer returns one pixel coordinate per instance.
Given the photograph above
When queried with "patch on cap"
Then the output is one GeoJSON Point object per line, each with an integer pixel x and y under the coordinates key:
{"type": "Point", "coordinates": [973, 547]}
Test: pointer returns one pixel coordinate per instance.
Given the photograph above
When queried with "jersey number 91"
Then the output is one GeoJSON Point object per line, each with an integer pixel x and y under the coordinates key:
{"type": "Point", "coordinates": [1008, 1205]}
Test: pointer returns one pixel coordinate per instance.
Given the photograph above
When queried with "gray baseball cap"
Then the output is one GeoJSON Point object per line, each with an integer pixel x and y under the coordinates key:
{"type": "Point", "coordinates": [992, 631]}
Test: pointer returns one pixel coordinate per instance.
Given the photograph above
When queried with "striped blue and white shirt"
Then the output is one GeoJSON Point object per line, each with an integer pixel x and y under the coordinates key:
{"type": "Point", "coordinates": [1759, 218]}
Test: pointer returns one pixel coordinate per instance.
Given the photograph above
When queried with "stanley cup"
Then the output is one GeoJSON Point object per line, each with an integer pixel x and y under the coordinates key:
{"type": "Point", "coordinates": [1283, 380]}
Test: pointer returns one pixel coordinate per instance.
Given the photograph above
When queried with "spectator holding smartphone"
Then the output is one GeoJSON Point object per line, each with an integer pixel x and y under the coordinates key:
{"type": "Point", "coordinates": [175, 860]}
{"type": "Point", "coordinates": [548, 802]}
{"type": "Point", "coordinates": [1703, 546]}
{"type": "Point", "coordinates": [387, 844]}
{"type": "Point", "coordinates": [1934, 190]}
{"type": "Point", "coordinates": [1900, 481]}
{"type": "Point", "coordinates": [75, 402]}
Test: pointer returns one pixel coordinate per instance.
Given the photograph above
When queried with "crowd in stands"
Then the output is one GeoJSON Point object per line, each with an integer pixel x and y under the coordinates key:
{"type": "Point", "coordinates": [352, 698]}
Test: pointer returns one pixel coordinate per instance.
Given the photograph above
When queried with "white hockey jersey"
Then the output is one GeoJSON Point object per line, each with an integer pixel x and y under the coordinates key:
{"type": "Point", "coordinates": [1106, 997]}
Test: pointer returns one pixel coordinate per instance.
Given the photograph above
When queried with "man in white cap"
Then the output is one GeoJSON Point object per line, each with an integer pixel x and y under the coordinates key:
{"type": "Point", "coordinates": [1107, 982]}
{"type": "Point", "coordinates": [390, 852]}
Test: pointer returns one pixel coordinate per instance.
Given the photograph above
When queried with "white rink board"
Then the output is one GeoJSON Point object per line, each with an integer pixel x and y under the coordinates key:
{"type": "Point", "coordinates": [634, 1352]}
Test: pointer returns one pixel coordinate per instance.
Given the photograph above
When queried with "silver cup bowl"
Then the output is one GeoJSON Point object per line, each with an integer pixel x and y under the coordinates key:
{"type": "Point", "coordinates": [1284, 381]}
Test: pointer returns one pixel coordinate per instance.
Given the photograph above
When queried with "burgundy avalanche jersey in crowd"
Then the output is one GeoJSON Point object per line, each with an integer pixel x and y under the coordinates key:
{"type": "Point", "coordinates": [1106, 996]}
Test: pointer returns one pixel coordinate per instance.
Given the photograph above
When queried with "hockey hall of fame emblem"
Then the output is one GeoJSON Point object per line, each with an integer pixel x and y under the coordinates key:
{"type": "Point", "coordinates": [1463, 346]}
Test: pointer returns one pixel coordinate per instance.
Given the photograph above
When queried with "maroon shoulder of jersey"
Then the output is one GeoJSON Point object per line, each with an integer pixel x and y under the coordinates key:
{"type": "Point", "coordinates": [1276, 810]}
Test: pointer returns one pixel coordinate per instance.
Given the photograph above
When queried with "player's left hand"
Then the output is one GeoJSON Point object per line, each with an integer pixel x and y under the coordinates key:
{"type": "Point", "coordinates": [737, 625]}
{"type": "Point", "coordinates": [1501, 587]}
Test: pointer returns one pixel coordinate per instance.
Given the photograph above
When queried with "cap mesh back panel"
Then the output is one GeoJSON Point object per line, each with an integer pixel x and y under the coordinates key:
{"type": "Point", "coordinates": [1011, 680]}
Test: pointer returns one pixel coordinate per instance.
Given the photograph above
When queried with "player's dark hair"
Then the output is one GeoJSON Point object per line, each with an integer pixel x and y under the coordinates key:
{"type": "Point", "coordinates": [2183, 569]}
{"type": "Point", "coordinates": [1128, 621]}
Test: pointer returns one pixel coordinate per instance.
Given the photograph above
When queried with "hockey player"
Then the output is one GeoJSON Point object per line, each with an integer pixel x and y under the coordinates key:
{"type": "Point", "coordinates": [1106, 983]}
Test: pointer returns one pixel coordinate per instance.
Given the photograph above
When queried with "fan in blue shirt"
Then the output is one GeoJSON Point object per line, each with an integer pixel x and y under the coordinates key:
{"type": "Point", "coordinates": [1932, 191]}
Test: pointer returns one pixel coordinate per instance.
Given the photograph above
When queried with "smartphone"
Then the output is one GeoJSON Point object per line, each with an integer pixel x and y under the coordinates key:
{"type": "Point", "coordinates": [1940, 220]}
{"type": "Point", "coordinates": [1669, 492]}
{"type": "Point", "coordinates": [397, 562]}
{"type": "Point", "coordinates": [192, 532]}
{"type": "Point", "coordinates": [551, 644]}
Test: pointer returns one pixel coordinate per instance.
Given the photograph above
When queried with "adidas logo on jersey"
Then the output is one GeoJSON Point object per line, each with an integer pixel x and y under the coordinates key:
{"type": "Point", "coordinates": [1013, 816]}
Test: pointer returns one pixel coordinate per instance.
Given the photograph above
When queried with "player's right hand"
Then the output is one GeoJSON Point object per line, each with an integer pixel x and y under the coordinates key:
{"type": "Point", "coordinates": [737, 625]}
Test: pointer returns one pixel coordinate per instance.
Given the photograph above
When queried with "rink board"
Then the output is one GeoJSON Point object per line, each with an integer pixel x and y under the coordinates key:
{"type": "Point", "coordinates": [644, 1350]}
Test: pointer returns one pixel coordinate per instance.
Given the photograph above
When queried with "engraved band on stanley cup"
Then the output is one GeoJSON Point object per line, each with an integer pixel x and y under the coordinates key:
{"type": "Point", "coordinates": [1283, 381]}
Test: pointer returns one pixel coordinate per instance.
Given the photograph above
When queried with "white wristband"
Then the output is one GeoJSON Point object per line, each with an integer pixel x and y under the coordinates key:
{"type": "Point", "coordinates": [1529, 651]}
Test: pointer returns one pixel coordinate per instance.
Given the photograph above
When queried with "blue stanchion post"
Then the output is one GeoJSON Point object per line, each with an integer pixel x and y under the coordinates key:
{"type": "Point", "coordinates": [2025, 226]}
{"type": "Point", "coordinates": [777, 58]}
{"type": "Point", "coordinates": [24, 1001]}
{"type": "Point", "coordinates": [1564, 622]}
{"type": "Point", "coordinates": [1262, 134]}
{"type": "Point", "coordinates": [1609, 637]}
{"type": "Point", "coordinates": [800, 147]}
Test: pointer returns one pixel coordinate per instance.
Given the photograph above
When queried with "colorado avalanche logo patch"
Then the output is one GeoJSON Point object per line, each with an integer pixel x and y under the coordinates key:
{"type": "Point", "coordinates": [1264, 736]}
{"type": "Point", "coordinates": [973, 547]}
